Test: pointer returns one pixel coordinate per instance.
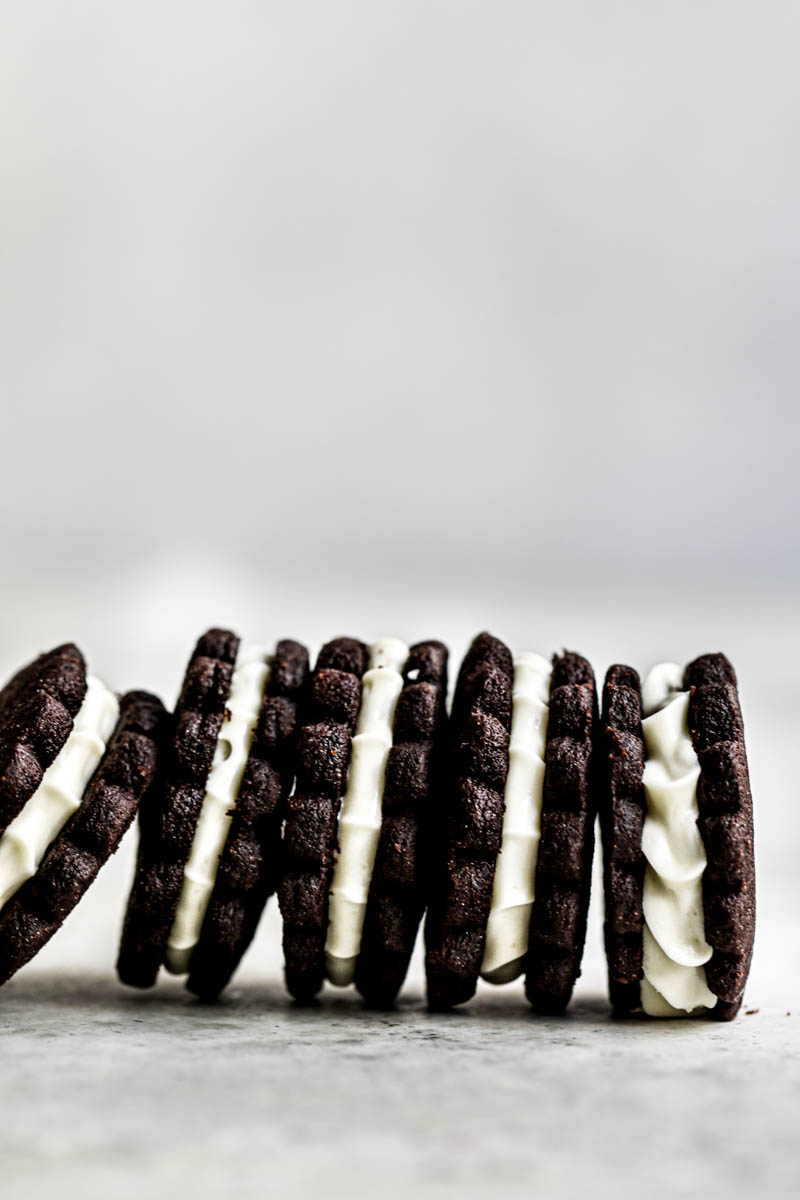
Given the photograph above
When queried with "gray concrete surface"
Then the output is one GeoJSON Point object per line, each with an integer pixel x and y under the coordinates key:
{"type": "Point", "coordinates": [111, 1094]}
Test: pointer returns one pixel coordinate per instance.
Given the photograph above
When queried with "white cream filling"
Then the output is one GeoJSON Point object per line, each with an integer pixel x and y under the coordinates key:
{"type": "Point", "coordinates": [360, 817]}
{"type": "Point", "coordinates": [59, 795]}
{"type": "Point", "coordinates": [250, 675]}
{"type": "Point", "coordinates": [508, 928]}
{"type": "Point", "coordinates": [674, 944]}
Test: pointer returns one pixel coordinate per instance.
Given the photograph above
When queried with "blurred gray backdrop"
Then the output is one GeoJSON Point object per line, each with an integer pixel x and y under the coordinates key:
{"type": "Point", "coordinates": [312, 309]}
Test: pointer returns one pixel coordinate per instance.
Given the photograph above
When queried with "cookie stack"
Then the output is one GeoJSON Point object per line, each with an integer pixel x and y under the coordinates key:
{"type": "Point", "coordinates": [350, 793]}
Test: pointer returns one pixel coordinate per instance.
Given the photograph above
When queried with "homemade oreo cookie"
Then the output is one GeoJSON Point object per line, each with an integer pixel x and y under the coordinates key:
{"type": "Point", "coordinates": [677, 830]}
{"type": "Point", "coordinates": [210, 832]}
{"type": "Point", "coordinates": [74, 764]}
{"type": "Point", "coordinates": [357, 834]}
{"type": "Point", "coordinates": [511, 888]}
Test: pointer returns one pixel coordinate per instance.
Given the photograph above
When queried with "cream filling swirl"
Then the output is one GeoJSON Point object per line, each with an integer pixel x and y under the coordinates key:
{"type": "Point", "coordinates": [249, 679]}
{"type": "Point", "coordinates": [60, 792]}
{"type": "Point", "coordinates": [362, 807]}
{"type": "Point", "coordinates": [674, 944]}
{"type": "Point", "coordinates": [508, 927]}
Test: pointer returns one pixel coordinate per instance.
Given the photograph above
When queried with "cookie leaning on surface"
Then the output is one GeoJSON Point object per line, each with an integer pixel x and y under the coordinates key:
{"type": "Point", "coordinates": [210, 832]}
{"type": "Point", "coordinates": [352, 889]}
{"type": "Point", "coordinates": [511, 886]}
{"type": "Point", "coordinates": [398, 890]}
{"type": "Point", "coordinates": [472, 823]}
{"type": "Point", "coordinates": [74, 764]}
{"type": "Point", "coordinates": [677, 826]}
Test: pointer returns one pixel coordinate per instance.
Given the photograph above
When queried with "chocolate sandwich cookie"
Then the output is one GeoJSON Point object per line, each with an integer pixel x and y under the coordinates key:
{"type": "Point", "coordinates": [210, 831]}
{"type": "Point", "coordinates": [398, 891]}
{"type": "Point", "coordinates": [511, 888]}
{"type": "Point", "coordinates": [677, 829]}
{"type": "Point", "coordinates": [74, 764]}
{"type": "Point", "coordinates": [353, 883]}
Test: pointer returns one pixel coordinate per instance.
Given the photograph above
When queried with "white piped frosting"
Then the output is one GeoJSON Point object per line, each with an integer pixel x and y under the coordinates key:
{"type": "Point", "coordinates": [508, 927]}
{"type": "Point", "coordinates": [59, 795]}
{"type": "Point", "coordinates": [362, 807]}
{"type": "Point", "coordinates": [249, 679]}
{"type": "Point", "coordinates": [674, 944]}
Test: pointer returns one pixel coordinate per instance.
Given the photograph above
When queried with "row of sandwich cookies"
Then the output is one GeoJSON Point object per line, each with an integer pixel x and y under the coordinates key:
{"type": "Point", "coordinates": [347, 792]}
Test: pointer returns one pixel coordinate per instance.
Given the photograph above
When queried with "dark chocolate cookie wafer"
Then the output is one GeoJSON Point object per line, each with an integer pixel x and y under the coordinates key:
{"type": "Point", "coordinates": [399, 886]}
{"type": "Point", "coordinates": [472, 824]}
{"type": "Point", "coordinates": [34, 913]}
{"type": "Point", "coordinates": [37, 709]}
{"type": "Point", "coordinates": [169, 819]}
{"type": "Point", "coordinates": [622, 807]}
{"type": "Point", "coordinates": [248, 867]}
{"type": "Point", "coordinates": [725, 821]}
{"type": "Point", "coordinates": [566, 844]}
{"type": "Point", "coordinates": [310, 835]}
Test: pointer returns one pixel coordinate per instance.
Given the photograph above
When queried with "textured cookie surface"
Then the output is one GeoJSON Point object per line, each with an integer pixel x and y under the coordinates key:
{"type": "Point", "coordinates": [566, 844]}
{"type": "Point", "coordinates": [168, 819]}
{"type": "Point", "coordinates": [725, 821]}
{"type": "Point", "coordinates": [398, 890]}
{"type": "Point", "coordinates": [622, 808]}
{"type": "Point", "coordinates": [310, 834]}
{"type": "Point", "coordinates": [468, 840]}
{"type": "Point", "coordinates": [90, 837]}
{"type": "Point", "coordinates": [37, 709]}
{"type": "Point", "coordinates": [248, 866]}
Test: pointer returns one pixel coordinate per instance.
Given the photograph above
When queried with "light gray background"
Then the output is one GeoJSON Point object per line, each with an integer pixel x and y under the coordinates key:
{"type": "Point", "coordinates": [408, 318]}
